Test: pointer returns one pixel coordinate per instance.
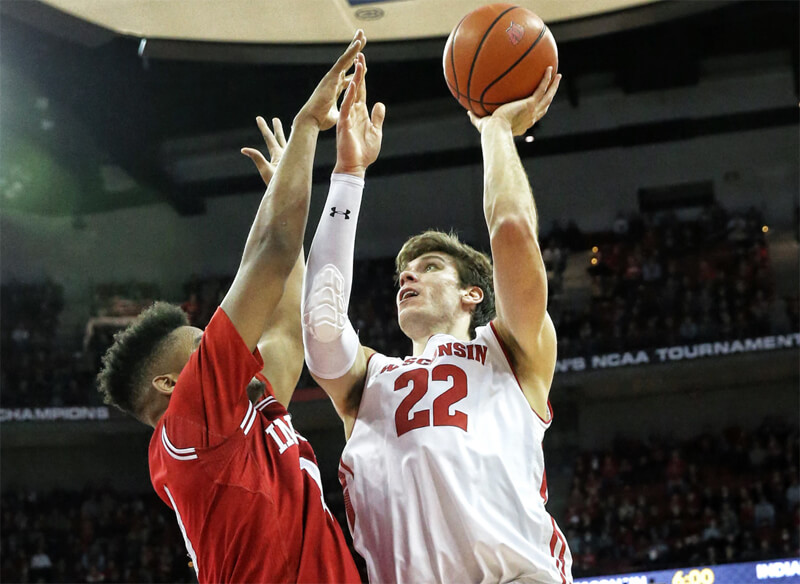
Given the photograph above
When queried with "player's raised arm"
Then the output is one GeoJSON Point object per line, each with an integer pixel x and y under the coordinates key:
{"type": "Point", "coordinates": [334, 355]}
{"type": "Point", "coordinates": [276, 236]}
{"type": "Point", "coordinates": [520, 278]}
{"type": "Point", "coordinates": [281, 344]}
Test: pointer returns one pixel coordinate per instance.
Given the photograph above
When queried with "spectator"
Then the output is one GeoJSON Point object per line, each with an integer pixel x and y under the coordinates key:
{"type": "Point", "coordinates": [764, 513]}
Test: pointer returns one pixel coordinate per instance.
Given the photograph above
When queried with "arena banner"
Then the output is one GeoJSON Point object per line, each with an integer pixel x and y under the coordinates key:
{"type": "Point", "coordinates": [785, 571]}
{"type": "Point", "coordinates": [71, 414]}
{"type": "Point", "coordinates": [675, 353]}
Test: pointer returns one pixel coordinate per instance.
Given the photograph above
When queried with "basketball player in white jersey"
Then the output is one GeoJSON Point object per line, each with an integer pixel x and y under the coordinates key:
{"type": "Point", "coordinates": [443, 471]}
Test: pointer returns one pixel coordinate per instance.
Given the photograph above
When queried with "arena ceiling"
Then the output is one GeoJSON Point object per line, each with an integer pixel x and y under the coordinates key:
{"type": "Point", "coordinates": [104, 99]}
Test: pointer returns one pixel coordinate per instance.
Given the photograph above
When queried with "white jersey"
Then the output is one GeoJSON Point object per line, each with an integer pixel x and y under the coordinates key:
{"type": "Point", "coordinates": [443, 475]}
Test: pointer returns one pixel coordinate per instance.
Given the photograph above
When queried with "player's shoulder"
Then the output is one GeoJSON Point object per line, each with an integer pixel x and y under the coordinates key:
{"type": "Point", "coordinates": [377, 360]}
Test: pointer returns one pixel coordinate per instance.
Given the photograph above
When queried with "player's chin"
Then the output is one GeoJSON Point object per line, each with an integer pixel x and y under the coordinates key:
{"type": "Point", "coordinates": [409, 318]}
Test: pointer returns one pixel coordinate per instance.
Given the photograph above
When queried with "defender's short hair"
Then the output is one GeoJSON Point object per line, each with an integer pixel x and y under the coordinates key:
{"type": "Point", "coordinates": [122, 376]}
{"type": "Point", "coordinates": [474, 267]}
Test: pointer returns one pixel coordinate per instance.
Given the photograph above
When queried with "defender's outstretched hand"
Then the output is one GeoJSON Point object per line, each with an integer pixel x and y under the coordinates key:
{"type": "Point", "coordinates": [276, 142]}
{"type": "Point", "coordinates": [321, 106]}
{"type": "Point", "coordinates": [522, 114]}
{"type": "Point", "coordinates": [358, 136]}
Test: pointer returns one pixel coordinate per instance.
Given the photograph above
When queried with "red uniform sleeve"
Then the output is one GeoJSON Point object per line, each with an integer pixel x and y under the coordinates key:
{"type": "Point", "coordinates": [210, 400]}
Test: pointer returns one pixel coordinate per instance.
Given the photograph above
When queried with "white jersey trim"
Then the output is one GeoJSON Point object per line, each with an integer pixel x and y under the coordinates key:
{"type": "Point", "coordinates": [175, 452]}
{"type": "Point", "coordinates": [188, 543]}
{"type": "Point", "coordinates": [265, 402]}
{"type": "Point", "coordinates": [249, 418]}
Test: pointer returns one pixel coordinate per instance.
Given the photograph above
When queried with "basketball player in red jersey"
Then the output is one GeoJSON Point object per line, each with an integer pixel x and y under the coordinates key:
{"type": "Point", "coordinates": [244, 485]}
{"type": "Point", "coordinates": [443, 470]}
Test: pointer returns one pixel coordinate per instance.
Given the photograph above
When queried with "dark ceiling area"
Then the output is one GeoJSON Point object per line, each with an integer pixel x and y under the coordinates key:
{"type": "Point", "coordinates": [73, 113]}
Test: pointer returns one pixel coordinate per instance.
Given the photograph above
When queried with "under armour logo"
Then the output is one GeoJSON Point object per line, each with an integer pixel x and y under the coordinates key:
{"type": "Point", "coordinates": [346, 213]}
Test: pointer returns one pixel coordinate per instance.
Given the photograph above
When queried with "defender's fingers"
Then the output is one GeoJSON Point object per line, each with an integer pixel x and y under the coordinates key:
{"type": "Point", "coordinates": [279, 135]}
{"type": "Point", "coordinates": [258, 159]}
{"type": "Point", "coordinates": [267, 134]}
{"type": "Point", "coordinates": [344, 62]}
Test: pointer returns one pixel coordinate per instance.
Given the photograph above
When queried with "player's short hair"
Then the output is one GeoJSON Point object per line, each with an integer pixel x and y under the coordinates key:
{"type": "Point", "coordinates": [474, 267]}
{"type": "Point", "coordinates": [123, 376]}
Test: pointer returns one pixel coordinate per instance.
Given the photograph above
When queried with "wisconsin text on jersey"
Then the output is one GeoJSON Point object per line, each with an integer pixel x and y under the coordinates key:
{"type": "Point", "coordinates": [468, 351]}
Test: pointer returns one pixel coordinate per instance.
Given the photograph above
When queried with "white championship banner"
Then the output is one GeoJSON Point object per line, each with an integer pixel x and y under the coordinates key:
{"type": "Point", "coordinates": [71, 414]}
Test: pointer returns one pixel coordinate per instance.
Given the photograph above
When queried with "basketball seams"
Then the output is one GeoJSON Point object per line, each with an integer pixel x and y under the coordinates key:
{"type": "Point", "coordinates": [458, 95]}
{"type": "Point", "coordinates": [517, 62]}
{"type": "Point", "coordinates": [478, 50]}
{"type": "Point", "coordinates": [453, 58]}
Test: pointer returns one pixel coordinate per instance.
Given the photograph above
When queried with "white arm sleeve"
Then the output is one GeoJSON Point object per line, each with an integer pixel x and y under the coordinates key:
{"type": "Point", "coordinates": [331, 344]}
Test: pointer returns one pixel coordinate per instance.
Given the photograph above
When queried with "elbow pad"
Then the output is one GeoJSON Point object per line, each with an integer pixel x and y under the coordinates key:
{"type": "Point", "coordinates": [326, 309]}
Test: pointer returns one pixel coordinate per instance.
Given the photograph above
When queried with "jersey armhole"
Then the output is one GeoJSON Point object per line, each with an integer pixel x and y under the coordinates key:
{"type": "Point", "coordinates": [363, 391]}
{"type": "Point", "coordinates": [514, 373]}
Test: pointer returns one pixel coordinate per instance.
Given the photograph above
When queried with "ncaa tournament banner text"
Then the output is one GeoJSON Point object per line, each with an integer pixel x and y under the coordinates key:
{"type": "Point", "coordinates": [678, 353]}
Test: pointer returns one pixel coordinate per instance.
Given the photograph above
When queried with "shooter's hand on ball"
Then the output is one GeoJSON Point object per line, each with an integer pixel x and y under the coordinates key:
{"type": "Point", "coordinates": [521, 115]}
{"type": "Point", "coordinates": [276, 142]}
{"type": "Point", "coordinates": [358, 136]}
{"type": "Point", "coordinates": [321, 108]}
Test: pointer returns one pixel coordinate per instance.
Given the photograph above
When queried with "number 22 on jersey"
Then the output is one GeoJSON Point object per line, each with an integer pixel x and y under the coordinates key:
{"type": "Point", "coordinates": [418, 380]}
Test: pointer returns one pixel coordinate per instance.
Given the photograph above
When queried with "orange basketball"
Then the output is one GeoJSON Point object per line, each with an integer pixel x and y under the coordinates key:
{"type": "Point", "coordinates": [497, 54]}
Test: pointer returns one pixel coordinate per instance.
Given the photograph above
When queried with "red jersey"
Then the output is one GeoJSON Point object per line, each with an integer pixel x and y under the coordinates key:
{"type": "Point", "coordinates": [244, 485]}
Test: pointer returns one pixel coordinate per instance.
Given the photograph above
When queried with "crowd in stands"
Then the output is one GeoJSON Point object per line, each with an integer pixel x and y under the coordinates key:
{"type": "Point", "coordinates": [123, 298]}
{"type": "Point", "coordinates": [36, 368]}
{"type": "Point", "coordinates": [652, 504]}
{"type": "Point", "coordinates": [102, 535]}
{"type": "Point", "coordinates": [715, 499]}
{"type": "Point", "coordinates": [655, 279]}
{"type": "Point", "coordinates": [663, 279]}
{"type": "Point", "coordinates": [94, 535]}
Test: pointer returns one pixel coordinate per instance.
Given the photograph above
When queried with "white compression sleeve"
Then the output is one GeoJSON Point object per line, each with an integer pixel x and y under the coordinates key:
{"type": "Point", "coordinates": [331, 343]}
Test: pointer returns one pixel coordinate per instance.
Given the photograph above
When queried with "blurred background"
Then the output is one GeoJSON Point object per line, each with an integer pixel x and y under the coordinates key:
{"type": "Point", "coordinates": [666, 177]}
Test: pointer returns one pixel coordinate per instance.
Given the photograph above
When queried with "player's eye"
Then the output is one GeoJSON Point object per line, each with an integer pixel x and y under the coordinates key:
{"type": "Point", "coordinates": [430, 267]}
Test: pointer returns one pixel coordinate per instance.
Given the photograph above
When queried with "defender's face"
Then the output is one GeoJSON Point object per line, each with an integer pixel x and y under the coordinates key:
{"type": "Point", "coordinates": [430, 293]}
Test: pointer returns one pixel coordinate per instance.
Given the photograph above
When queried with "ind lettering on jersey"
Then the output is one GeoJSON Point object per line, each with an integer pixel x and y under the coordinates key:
{"type": "Point", "coordinates": [467, 351]}
{"type": "Point", "coordinates": [283, 433]}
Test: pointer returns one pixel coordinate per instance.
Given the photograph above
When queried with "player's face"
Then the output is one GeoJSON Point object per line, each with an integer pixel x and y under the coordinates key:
{"type": "Point", "coordinates": [430, 295]}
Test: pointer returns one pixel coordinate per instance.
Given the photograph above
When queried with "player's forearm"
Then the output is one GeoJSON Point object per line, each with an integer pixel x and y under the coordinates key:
{"type": "Point", "coordinates": [507, 190]}
{"type": "Point", "coordinates": [330, 341]}
{"type": "Point", "coordinates": [286, 317]}
{"type": "Point", "coordinates": [281, 219]}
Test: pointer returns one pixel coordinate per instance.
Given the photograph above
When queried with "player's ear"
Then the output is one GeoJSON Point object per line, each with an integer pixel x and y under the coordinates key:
{"type": "Point", "coordinates": [165, 383]}
{"type": "Point", "coordinates": [473, 295]}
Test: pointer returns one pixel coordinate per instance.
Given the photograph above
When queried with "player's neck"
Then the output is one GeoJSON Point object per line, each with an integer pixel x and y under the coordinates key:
{"type": "Point", "coordinates": [460, 332]}
{"type": "Point", "coordinates": [151, 413]}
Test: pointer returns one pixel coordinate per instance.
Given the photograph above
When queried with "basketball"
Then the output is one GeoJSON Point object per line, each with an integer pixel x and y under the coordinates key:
{"type": "Point", "coordinates": [498, 53]}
